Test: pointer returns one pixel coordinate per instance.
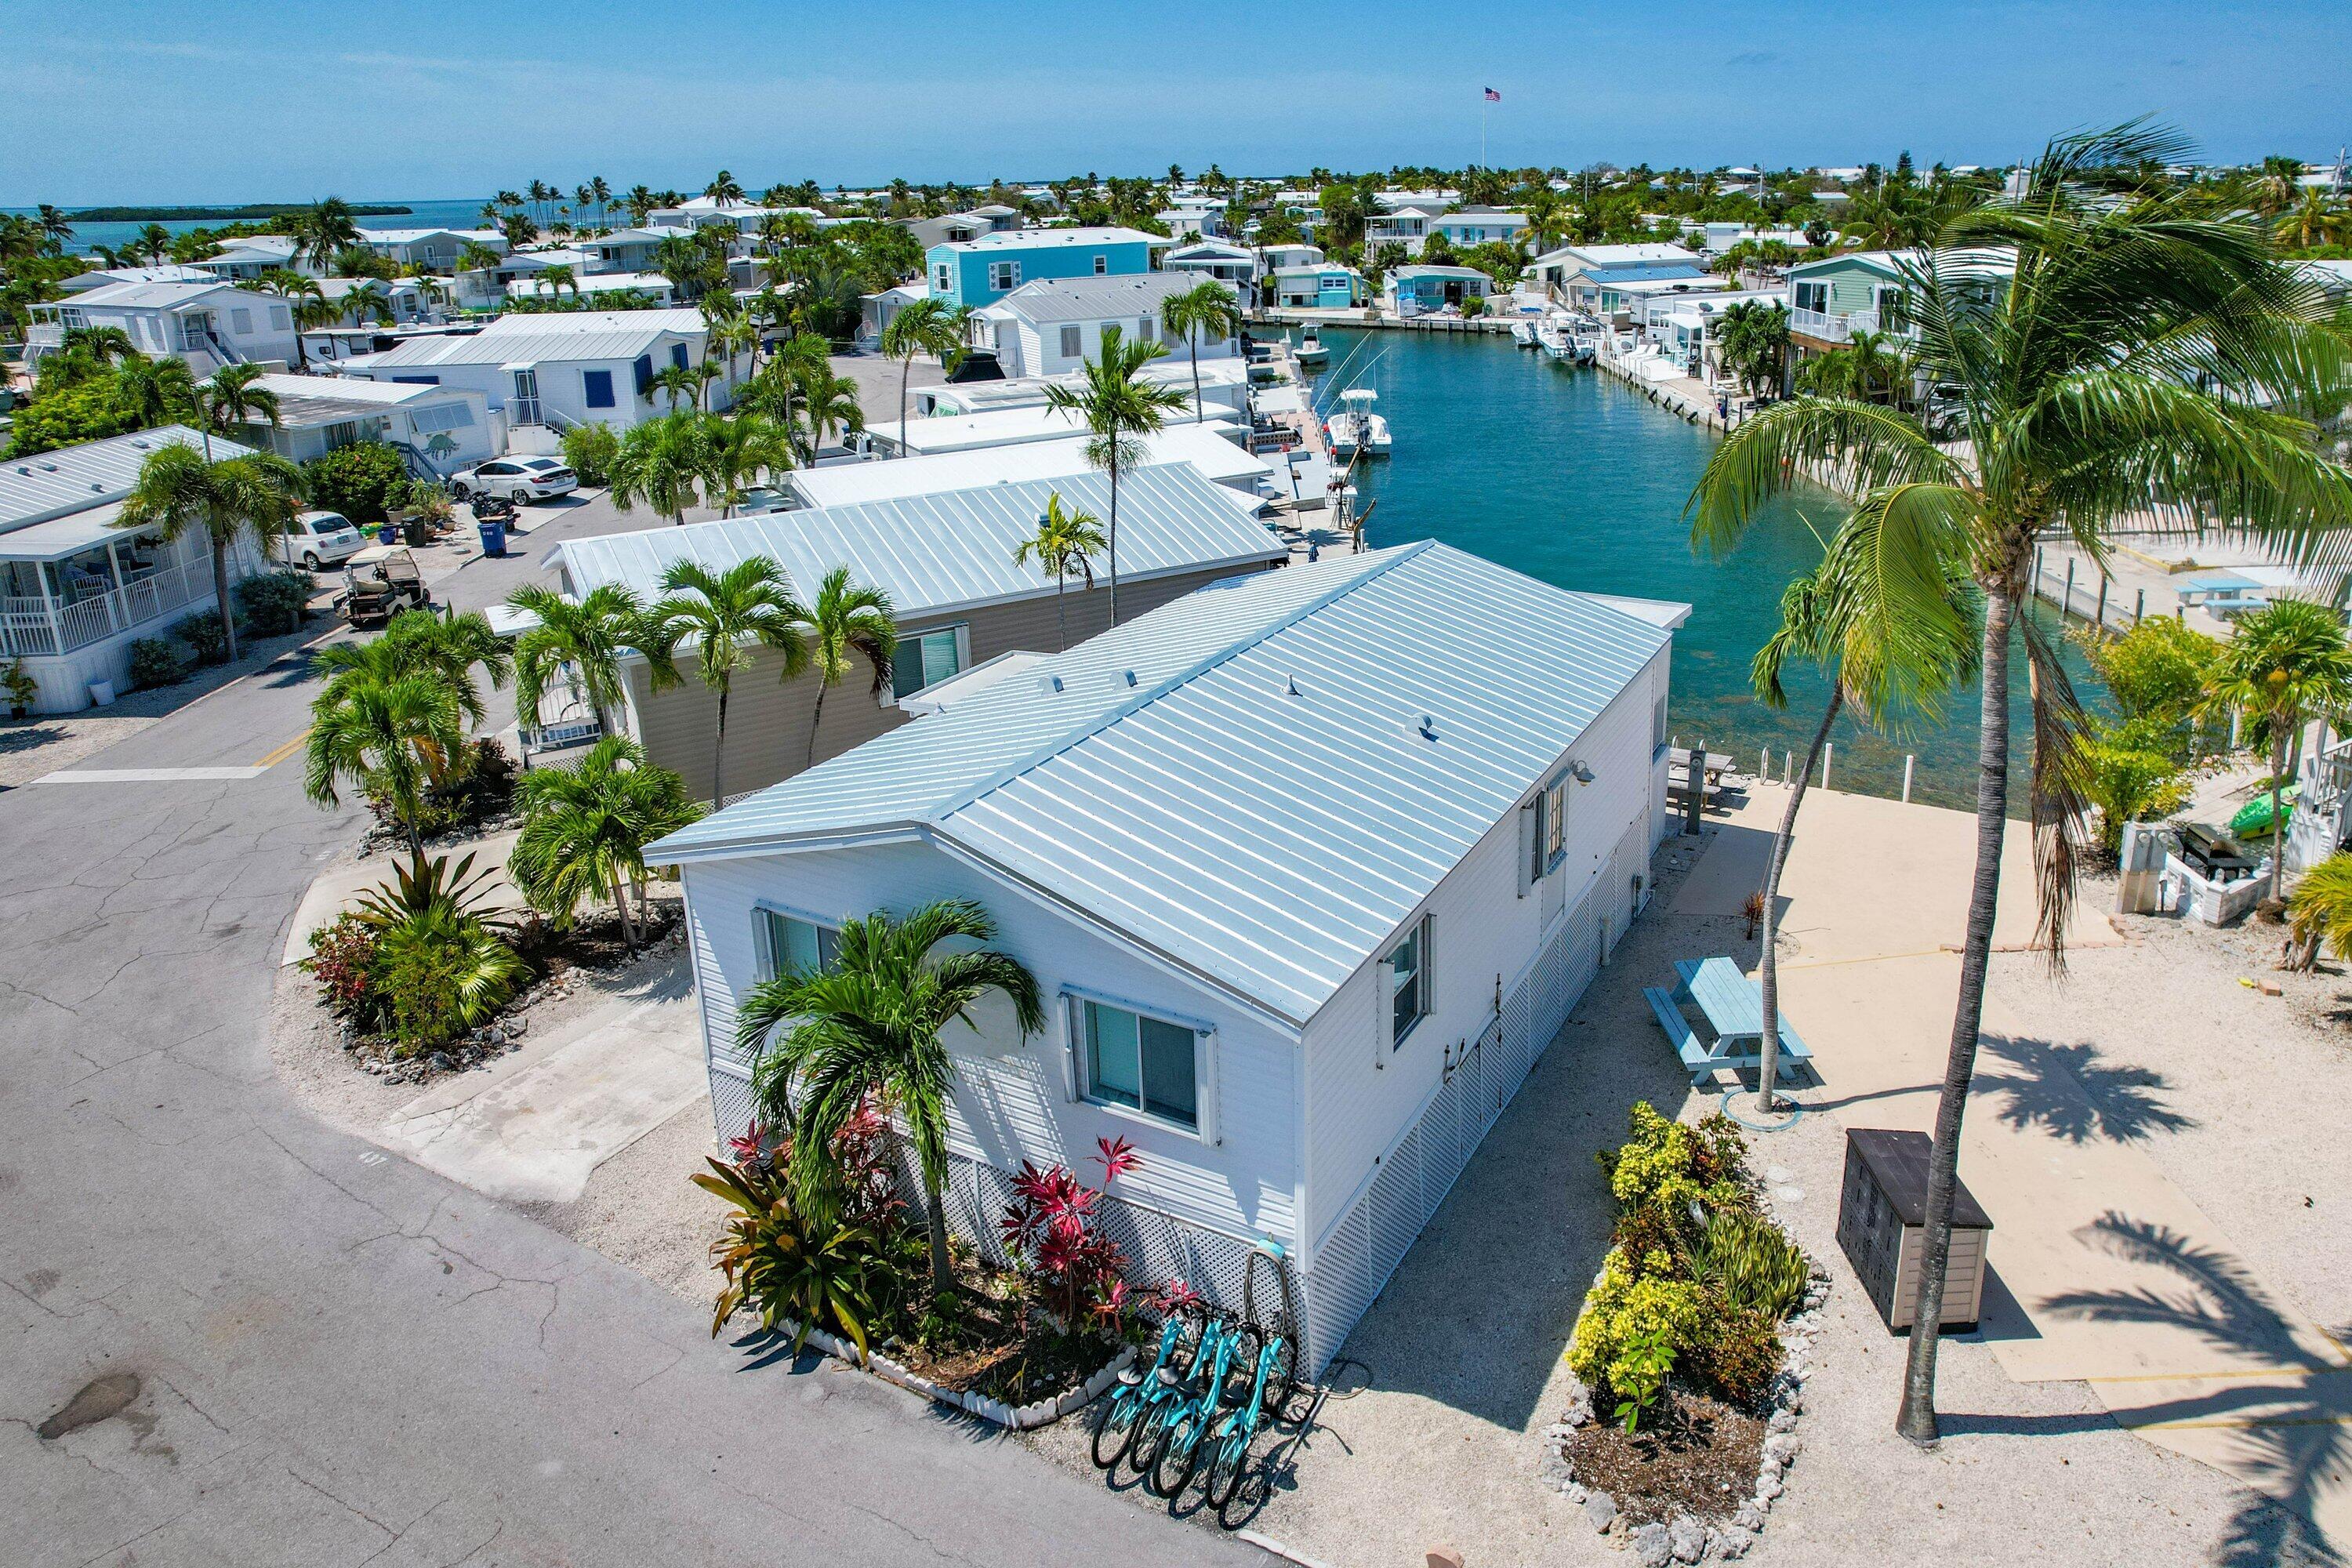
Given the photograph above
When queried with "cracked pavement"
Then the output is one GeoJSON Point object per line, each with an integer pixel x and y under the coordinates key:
{"type": "Point", "coordinates": [343, 1358]}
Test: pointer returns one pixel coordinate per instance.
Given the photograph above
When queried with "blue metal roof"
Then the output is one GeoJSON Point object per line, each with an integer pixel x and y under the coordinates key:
{"type": "Point", "coordinates": [934, 552]}
{"type": "Point", "coordinates": [1242, 780]}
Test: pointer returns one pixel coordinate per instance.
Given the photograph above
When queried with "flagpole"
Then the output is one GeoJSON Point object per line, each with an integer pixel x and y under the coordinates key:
{"type": "Point", "coordinates": [1482, 128]}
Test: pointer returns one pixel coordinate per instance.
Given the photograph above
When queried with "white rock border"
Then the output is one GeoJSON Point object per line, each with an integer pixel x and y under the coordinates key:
{"type": "Point", "coordinates": [1041, 1413]}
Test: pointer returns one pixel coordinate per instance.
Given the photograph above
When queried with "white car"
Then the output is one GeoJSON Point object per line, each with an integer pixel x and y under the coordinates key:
{"type": "Point", "coordinates": [320, 539]}
{"type": "Point", "coordinates": [521, 479]}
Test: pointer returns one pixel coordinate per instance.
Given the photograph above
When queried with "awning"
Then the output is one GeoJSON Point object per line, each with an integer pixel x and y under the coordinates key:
{"type": "Point", "coordinates": [63, 536]}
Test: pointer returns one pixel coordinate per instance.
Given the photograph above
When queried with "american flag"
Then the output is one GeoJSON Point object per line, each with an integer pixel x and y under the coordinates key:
{"type": "Point", "coordinates": [1494, 97]}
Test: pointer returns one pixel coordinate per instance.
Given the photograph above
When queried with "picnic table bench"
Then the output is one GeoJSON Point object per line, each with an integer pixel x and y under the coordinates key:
{"type": "Point", "coordinates": [1733, 1008]}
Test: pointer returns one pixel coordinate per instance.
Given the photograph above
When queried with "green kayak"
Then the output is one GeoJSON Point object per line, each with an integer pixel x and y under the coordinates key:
{"type": "Point", "coordinates": [2253, 818]}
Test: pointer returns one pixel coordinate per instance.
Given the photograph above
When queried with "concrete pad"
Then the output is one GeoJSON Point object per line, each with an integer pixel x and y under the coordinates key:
{"type": "Point", "coordinates": [337, 890]}
{"type": "Point", "coordinates": [534, 1131]}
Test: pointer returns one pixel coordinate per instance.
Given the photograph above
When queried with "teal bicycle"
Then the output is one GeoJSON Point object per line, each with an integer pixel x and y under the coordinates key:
{"type": "Point", "coordinates": [1126, 1409]}
{"type": "Point", "coordinates": [1180, 1428]}
{"type": "Point", "coordinates": [1229, 1445]}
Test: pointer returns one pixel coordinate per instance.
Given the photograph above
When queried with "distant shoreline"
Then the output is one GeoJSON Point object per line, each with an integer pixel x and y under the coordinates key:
{"type": "Point", "coordinates": [226, 214]}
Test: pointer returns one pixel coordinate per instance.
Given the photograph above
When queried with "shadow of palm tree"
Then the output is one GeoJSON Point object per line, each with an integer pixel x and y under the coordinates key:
{"type": "Point", "coordinates": [2117, 1100]}
{"type": "Point", "coordinates": [2293, 1438]}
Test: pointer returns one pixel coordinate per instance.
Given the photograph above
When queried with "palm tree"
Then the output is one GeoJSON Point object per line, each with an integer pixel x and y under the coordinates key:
{"type": "Point", "coordinates": [156, 392]}
{"type": "Point", "coordinates": [828, 405]}
{"type": "Point", "coordinates": [1065, 543]}
{"type": "Point", "coordinates": [662, 462]}
{"type": "Point", "coordinates": [724, 187]}
{"type": "Point", "coordinates": [179, 489]}
{"type": "Point", "coordinates": [1118, 405]}
{"type": "Point", "coordinates": [742, 451]}
{"type": "Point", "coordinates": [600, 191]}
{"type": "Point", "coordinates": [390, 737]}
{"type": "Point", "coordinates": [2320, 912]}
{"type": "Point", "coordinates": [847, 622]}
{"type": "Point", "coordinates": [584, 640]}
{"type": "Point", "coordinates": [730, 614]}
{"type": "Point", "coordinates": [230, 397]}
{"type": "Point", "coordinates": [2318, 218]}
{"type": "Point", "coordinates": [1207, 306]}
{"type": "Point", "coordinates": [2141, 347]}
{"type": "Point", "coordinates": [296, 289]}
{"type": "Point", "coordinates": [869, 1026]}
{"type": "Point", "coordinates": [680, 383]}
{"type": "Point", "coordinates": [327, 228]}
{"type": "Point", "coordinates": [1850, 621]}
{"type": "Point", "coordinates": [585, 829]}
{"type": "Point", "coordinates": [2288, 661]}
{"type": "Point", "coordinates": [54, 228]}
{"type": "Point", "coordinates": [929, 326]}
{"type": "Point", "coordinates": [640, 202]}
{"type": "Point", "coordinates": [423, 645]}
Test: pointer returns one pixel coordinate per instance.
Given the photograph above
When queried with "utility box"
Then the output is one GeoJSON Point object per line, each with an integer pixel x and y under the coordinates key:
{"type": "Point", "coordinates": [2140, 869]}
{"type": "Point", "coordinates": [1882, 1221]}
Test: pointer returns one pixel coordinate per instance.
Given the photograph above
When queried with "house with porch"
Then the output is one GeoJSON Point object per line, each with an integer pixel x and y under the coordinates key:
{"type": "Point", "coordinates": [1322, 286]}
{"type": "Point", "coordinates": [1047, 329]}
{"type": "Point", "coordinates": [957, 228]}
{"type": "Point", "coordinates": [544, 372]}
{"type": "Point", "coordinates": [434, 249]}
{"type": "Point", "coordinates": [208, 324]}
{"type": "Point", "coordinates": [1309, 868]}
{"type": "Point", "coordinates": [437, 430]}
{"type": "Point", "coordinates": [407, 297]}
{"type": "Point", "coordinates": [959, 599]}
{"type": "Point", "coordinates": [1862, 291]}
{"type": "Point", "coordinates": [77, 590]}
{"type": "Point", "coordinates": [1583, 277]}
{"type": "Point", "coordinates": [244, 260]}
{"type": "Point", "coordinates": [1227, 263]}
{"type": "Point", "coordinates": [1420, 289]}
{"type": "Point", "coordinates": [982, 270]}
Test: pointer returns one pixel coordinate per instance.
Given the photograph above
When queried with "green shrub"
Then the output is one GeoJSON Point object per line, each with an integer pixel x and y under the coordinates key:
{"type": "Point", "coordinates": [1750, 1262]}
{"type": "Point", "coordinates": [1630, 1308]}
{"type": "Point", "coordinates": [153, 664]}
{"type": "Point", "coordinates": [2130, 781]}
{"type": "Point", "coordinates": [781, 1263]}
{"type": "Point", "coordinates": [589, 450]}
{"type": "Point", "coordinates": [1737, 1358]}
{"type": "Point", "coordinates": [343, 960]}
{"type": "Point", "coordinates": [21, 687]}
{"type": "Point", "coordinates": [364, 481]}
{"type": "Point", "coordinates": [441, 973]}
{"type": "Point", "coordinates": [1668, 1162]}
{"type": "Point", "coordinates": [274, 603]}
{"type": "Point", "coordinates": [204, 636]}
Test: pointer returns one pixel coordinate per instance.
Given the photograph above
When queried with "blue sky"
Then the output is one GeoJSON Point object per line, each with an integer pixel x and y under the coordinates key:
{"type": "Point", "coordinates": [264, 100]}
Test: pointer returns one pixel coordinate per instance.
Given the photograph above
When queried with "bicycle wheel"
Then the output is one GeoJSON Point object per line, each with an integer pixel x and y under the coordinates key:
{"type": "Point", "coordinates": [1150, 1438]}
{"type": "Point", "coordinates": [1172, 1466]}
{"type": "Point", "coordinates": [1283, 1386]}
{"type": "Point", "coordinates": [1114, 1432]}
{"type": "Point", "coordinates": [1225, 1467]}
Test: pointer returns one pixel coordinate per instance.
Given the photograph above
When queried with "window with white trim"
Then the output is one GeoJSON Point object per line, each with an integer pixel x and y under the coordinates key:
{"type": "Point", "coordinates": [1408, 969]}
{"type": "Point", "coordinates": [1552, 829]}
{"type": "Point", "coordinates": [791, 946]}
{"type": "Point", "coordinates": [1142, 1063]}
{"type": "Point", "coordinates": [1004, 275]}
{"type": "Point", "coordinates": [943, 279]}
{"type": "Point", "coordinates": [1102, 264]}
{"type": "Point", "coordinates": [926, 658]}
{"type": "Point", "coordinates": [1072, 342]}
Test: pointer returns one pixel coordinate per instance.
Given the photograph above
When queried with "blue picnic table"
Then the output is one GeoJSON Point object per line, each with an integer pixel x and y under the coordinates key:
{"type": "Point", "coordinates": [1733, 1005]}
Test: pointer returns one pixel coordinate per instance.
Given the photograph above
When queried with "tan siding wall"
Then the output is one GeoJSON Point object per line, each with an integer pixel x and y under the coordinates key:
{"type": "Point", "coordinates": [768, 720]}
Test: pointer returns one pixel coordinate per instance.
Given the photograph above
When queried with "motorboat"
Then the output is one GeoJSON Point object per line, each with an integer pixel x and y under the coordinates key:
{"type": "Point", "coordinates": [1310, 351]}
{"type": "Point", "coordinates": [1356, 428]}
{"type": "Point", "coordinates": [1554, 337]}
{"type": "Point", "coordinates": [1524, 334]}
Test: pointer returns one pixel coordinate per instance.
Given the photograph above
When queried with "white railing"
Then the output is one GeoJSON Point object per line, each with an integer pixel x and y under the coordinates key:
{"type": "Point", "coordinates": [1840, 327]}
{"type": "Point", "coordinates": [25, 626]}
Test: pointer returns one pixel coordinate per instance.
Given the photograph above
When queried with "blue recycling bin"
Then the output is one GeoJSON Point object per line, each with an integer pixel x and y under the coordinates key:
{"type": "Point", "coordinates": [388, 533]}
{"type": "Point", "coordinates": [494, 536]}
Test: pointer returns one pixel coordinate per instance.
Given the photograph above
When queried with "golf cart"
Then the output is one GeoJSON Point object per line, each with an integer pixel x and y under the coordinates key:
{"type": "Point", "coordinates": [379, 583]}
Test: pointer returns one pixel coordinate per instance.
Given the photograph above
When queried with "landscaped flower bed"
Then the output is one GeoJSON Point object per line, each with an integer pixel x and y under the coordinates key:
{"type": "Point", "coordinates": [1684, 1423]}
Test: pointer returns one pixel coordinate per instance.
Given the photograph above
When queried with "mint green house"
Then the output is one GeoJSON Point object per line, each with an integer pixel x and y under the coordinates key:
{"type": "Point", "coordinates": [982, 270]}
{"type": "Point", "coordinates": [1834, 298]}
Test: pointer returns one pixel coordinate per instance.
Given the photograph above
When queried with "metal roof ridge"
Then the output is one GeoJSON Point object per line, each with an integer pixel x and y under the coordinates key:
{"type": "Point", "coordinates": [936, 817]}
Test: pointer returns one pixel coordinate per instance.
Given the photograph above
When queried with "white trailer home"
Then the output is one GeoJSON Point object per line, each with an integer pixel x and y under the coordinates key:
{"type": "Point", "coordinates": [1311, 866]}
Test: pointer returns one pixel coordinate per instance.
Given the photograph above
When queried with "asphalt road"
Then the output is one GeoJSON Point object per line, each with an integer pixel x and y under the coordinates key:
{"type": "Point", "coordinates": [341, 1358]}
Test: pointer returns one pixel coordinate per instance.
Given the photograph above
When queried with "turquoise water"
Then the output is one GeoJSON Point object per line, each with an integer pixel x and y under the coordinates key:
{"type": "Point", "coordinates": [1574, 478]}
{"type": "Point", "coordinates": [441, 214]}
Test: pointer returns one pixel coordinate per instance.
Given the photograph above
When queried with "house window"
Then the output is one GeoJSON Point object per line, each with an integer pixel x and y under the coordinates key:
{"type": "Point", "coordinates": [1658, 727]}
{"type": "Point", "coordinates": [677, 355]}
{"type": "Point", "coordinates": [790, 945]}
{"type": "Point", "coordinates": [1102, 264]}
{"type": "Point", "coordinates": [279, 321]}
{"type": "Point", "coordinates": [645, 375]}
{"type": "Point", "coordinates": [943, 281]}
{"type": "Point", "coordinates": [1408, 966]}
{"type": "Point", "coordinates": [1004, 275]}
{"type": "Point", "coordinates": [596, 389]}
{"type": "Point", "coordinates": [1071, 345]}
{"type": "Point", "coordinates": [1143, 1063]}
{"type": "Point", "coordinates": [1552, 829]}
{"type": "Point", "coordinates": [1143, 325]}
{"type": "Point", "coordinates": [925, 658]}
{"type": "Point", "coordinates": [240, 322]}
{"type": "Point", "coordinates": [1813, 296]}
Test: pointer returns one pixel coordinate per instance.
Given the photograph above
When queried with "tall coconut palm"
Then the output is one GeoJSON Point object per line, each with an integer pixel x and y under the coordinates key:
{"type": "Point", "coordinates": [742, 451]}
{"type": "Point", "coordinates": [2318, 218]}
{"type": "Point", "coordinates": [2287, 662]}
{"type": "Point", "coordinates": [662, 462]}
{"type": "Point", "coordinates": [232, 397]}
{"type": "Point", "coordinates": [585, 828]}
{"type": "Point", "coordinates": [584, 641]}
{"type": "Point", "coordinates": [1116, 405]}
{"type": "Point", "coordinates": [724, 187]}
{"type": "Point", "coordinates": [845, 623]}
{"type": "Point", "coordinates": [328, 228]}
{"type": "Point", "coordinates": [1883, 652]}
{"type": "Point", "coordinates": [2140, 347]}
{"type": "Point", "coordinates": [731, 614]}
{"type": "Point", "coordinates": [1206, 307]}
{"type": "Point", "coordinates": [600, 191]}
{"type": "Point", "coordinates": [391, 738]}
{"type": "Point", "coordinates": [1066, 541]}
{"type": "Point", "coordinates": [180, 490]}
{"type": "Point", "coordinates": [928, 326]}
{"type": "Point", "coordinates": [870, 1025]}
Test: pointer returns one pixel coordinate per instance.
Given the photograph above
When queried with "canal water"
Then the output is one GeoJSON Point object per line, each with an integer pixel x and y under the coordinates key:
{"type": "Point", "coordinates": [1573, 477]}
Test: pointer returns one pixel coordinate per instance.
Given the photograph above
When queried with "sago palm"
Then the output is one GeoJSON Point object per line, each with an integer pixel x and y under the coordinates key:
{"type": "Point", "coordinates": [2288, 661]}
{"type": "Point", "coordinates": [731, 614]}
{"type": "Point", "coordinates": [870, 1025]}
{"type": "Point", "coordinates": [2111, 344]}
{"type": "Point", "coordinates": [847, 623]}
{"type": "Point", "coordinates": [585, 829]}
{"type": "Point", "coordinates": [1066, 541]}
{"type": "Point", "coordinates": [1116, 405]}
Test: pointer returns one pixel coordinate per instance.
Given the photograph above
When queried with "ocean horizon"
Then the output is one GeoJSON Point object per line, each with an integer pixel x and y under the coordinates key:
{"type": "Point", "coordinates": [437, 212]}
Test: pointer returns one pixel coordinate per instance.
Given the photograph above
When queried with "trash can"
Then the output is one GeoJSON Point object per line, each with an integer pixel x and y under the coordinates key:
{"type": "Point", "coordinates": [101, 694]}
{"type": "Point", "coordinates": [494, 536]}
{"type": "Point", "coordinates": [388, 532]}
{"type": "Point", "coordinates": [1883, 1226]}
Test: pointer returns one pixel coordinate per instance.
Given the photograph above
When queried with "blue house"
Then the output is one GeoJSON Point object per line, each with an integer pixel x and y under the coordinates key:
{"type": "Point", "coordinates": [981, 271]}
{"type": "Point", "coordinates": [1327, 287]}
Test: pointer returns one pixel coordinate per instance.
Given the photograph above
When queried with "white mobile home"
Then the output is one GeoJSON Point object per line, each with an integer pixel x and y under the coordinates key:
{"type": "Point", "coordinates": [207, 324]}
{"type": "Point", "coordinates": [1053, 327]}
{"type": "Point", "coordinates": [438, 429]}
{"type": "Point", "coordinates": [1210, 447]}
{"type": "Point", "coordinates": [1310, 866]}
{"type": "Point", "coordinates": [76, 591]}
